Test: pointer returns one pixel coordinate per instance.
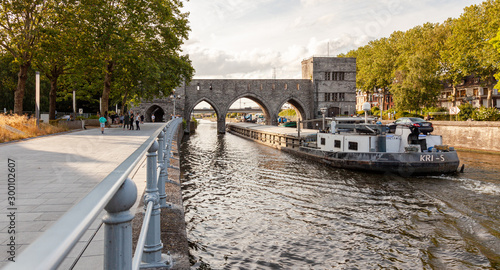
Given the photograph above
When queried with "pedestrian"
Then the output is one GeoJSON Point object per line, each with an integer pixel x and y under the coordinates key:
{"type": "Point", "coordinates": [103, 121]}
{"type": "Point", "coordinates": [137, 120]}
{"type": "Point", "coordinates": [142, 119]}
{"type": "Point", "coordinates": [121, 118]}
{"type": "Point", "coordinates": [126, 120]}
{"type": "Point", "coordinates": [131, 121]}
{"type": "Point", "coordinates": [153, 118]}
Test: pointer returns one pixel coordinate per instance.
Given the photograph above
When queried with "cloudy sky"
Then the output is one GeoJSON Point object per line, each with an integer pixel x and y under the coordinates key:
{"type": "Point", "coordinates": [251, 39]}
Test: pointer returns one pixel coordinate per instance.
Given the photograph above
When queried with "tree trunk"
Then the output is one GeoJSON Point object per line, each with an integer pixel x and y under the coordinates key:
{"type": "Point", "coordinates": [52, 98]}
{"type": "Point", "coordinates": [454, 95]}
{"type": "Point", "coordinates": [124, 101]}
{"type": "Point", "coordinates": [107, 87]}
{"type": "Point", "coordinates": [22, 77]}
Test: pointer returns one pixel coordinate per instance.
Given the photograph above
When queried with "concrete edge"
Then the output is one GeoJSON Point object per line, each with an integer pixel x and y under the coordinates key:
{"type": "Point", "coordinates": [173, 225]}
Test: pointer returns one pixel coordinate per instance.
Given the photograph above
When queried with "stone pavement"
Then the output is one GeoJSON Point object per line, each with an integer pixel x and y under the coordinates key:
{"type": "Point", "coordinates": [52, 174]}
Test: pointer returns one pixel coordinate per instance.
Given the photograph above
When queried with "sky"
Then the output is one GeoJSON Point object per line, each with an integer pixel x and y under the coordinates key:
{"type": "Point", "coordinates": [260, 39]}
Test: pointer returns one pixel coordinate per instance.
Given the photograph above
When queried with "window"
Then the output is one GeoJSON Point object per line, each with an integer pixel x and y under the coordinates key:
{"type": "Point", "coordinates": [337, 144]}
{"type": "Point", "coordinates": [323, 141]}
{"type": "Point", "coordinates": [338, 76]}
{"type": "Point", "coordinates": [286, 86]}
{"type": "Point", "coordinates": [353, 146]}
{"type": "Point", "coordinates": [198, 86]}
{"type": "Point", "coordinates": [298, 87]}
{"type": "Point", "coordinates": [341, 96]}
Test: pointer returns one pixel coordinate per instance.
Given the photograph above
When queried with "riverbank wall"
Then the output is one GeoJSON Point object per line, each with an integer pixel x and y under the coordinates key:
{"type": "Point", "coordinates": [469, 135]}
{"type": "Point", "coordinates": [173, 225]}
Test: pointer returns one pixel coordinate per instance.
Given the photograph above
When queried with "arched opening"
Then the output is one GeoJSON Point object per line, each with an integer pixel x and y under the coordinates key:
{"type": "Point", "coordinates": [249, 108]}
{"type": "Point", "coordinates": [158, 113]}
{"type": "Point", "coordinates": [203, 110]}
{"type": "Point", "coordinates": [290, 112]}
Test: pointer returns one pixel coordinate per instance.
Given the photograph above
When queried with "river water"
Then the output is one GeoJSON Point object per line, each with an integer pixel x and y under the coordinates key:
{"type": "Point", "coordinates": [249, 206]}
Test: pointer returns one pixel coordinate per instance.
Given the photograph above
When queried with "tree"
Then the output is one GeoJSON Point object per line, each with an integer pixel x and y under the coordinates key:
{"type": "Point", "coordinates": [151, 31]}
{"type": "Point", "coordinates": [468, 49]}
{"type": "Point", "coordinates": [417, 70]}
{"type": "Point", "coordinates": [21, 27]}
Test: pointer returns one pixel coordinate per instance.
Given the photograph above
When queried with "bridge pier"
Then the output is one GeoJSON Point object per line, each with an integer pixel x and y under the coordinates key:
{"type": "Point", "coordinates": [221, 124]}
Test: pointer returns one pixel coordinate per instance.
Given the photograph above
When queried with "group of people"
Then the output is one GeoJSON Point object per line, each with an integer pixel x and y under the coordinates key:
{"type": "Point", "coordinates": [128, 120]}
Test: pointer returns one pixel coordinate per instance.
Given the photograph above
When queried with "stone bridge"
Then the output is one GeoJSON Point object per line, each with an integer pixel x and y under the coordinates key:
{"type": "Point", "coordinates": [328, 82]}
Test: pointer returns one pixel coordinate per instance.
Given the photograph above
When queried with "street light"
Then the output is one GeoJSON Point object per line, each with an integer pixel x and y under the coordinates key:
{"type": "Point", "coordinates": [174, 97]}
{"type": "Point", "coordinates": [323, 111]}
{"type": "Point", "coordinates": [381, 91]}
{"type": "Point", "coordinates": [366, 108]}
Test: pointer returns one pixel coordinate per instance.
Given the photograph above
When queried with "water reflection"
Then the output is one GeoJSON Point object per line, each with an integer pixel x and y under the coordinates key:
{"type": "Point", "coordinates": [249, 206]}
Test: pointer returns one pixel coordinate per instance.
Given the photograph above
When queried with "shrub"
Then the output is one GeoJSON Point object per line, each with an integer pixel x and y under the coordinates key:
{"type": "Point", "coordinates": [16, 127]}
{"type": "Point", "coordinates": [466, 112]}
{"type": "Point", "coordinates": [486, 114]}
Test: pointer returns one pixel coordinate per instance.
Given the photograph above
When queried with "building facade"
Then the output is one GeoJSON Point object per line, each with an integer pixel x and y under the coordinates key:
{"type": "Point", "coordinates": [334, 82]}
{"type": "Point", "coordinates": [471, 90]}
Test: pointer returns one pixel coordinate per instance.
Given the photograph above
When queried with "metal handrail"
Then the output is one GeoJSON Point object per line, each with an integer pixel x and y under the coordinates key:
{"type": "Point", "coordinates": [51, 248]}
{"type": "Point", "coordinates": [136, 262]}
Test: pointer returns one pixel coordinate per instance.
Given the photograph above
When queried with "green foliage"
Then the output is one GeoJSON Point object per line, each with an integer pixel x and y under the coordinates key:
{"type": "Point", "coordinates": [288, 113]}
{"type": "Point", "coordinates": [406, 114]}
{"type": "Point", "coordinates": [486, 114]}
{"type": "Point", "coordinates": [466, 111]}
{"type": "Point", "coordinates": [375, 111]}
{"type": "Point", "coordinates": [412, 64]}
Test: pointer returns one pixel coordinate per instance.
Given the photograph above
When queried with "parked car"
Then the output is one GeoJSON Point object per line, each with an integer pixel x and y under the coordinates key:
{"type": "Point", "coordinates": [423, 126]}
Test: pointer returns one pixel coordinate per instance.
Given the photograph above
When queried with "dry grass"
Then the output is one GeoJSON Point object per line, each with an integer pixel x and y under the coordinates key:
{"type": "Point", "coordinates": [27, 128]}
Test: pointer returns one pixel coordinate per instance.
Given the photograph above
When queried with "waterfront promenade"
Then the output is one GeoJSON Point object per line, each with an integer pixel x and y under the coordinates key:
{"type": "Point", "coordinates": [52, 174]}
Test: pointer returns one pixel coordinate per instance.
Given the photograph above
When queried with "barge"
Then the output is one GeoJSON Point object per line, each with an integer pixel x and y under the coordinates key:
{"type": "Point", "coordinates": [352, 145]}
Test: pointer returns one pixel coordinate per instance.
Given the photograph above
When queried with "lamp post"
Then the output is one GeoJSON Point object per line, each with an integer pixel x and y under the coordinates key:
{"type": "Point", "coordinates": [323, 112]}
{"type": "Point", "coordinates": [381, 92]}
{"type": "Point", "coordinates": [37, 99]}
{"type": "Point", "coordinates": [174, 97]}
{"type": "Point", "coordinates": [366, 108]}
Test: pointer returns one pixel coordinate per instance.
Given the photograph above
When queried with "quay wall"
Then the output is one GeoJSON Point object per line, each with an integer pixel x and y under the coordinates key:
{"type": "Point", "coordinates": [469, 135]}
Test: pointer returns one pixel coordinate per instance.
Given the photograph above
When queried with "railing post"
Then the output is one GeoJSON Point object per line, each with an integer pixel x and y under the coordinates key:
{"type": "Point", "coordinates": [163, 172]}
{"type": "Point", "coordinates": [152, 256]}
{"type": "Point", "coordinates": [118, 228]}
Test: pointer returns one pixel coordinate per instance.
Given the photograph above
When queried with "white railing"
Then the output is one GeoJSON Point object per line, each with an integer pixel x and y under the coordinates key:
{"type": "Point", "coordinates": [116, 194]}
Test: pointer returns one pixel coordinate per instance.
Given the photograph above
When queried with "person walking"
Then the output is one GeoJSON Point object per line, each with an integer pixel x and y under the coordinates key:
{"type": "Point", "coordinates": [142, 119]}
{"type": "Point", "coordinates": [103, 121]}
{"type": "Point", "coordinates": [153, 118]}
{"type": "Point", "coordinates": [137, 120]}
{"type": "Point", "coordinates": [131, 121]}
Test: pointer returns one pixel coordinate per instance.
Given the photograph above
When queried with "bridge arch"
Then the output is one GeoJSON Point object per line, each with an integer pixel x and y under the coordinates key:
{"type": "Point", "coordinates": [299, 107]}
{"type": "Point", "coordinates": [157, 111]}
{"type": "Point", "coordinates": [264, 106]}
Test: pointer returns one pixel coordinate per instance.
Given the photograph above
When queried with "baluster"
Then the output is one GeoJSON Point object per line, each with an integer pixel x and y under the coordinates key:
{"type": "Point", "coordinates": [152, 256]}
{"type": "Point", "coordinates": [118, 228]}
{"type": "Point", "coordinates": [163, 172]}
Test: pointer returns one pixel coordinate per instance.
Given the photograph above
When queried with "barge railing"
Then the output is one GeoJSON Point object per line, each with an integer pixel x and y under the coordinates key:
{"type": "Point", "coordinates": [116, 194]}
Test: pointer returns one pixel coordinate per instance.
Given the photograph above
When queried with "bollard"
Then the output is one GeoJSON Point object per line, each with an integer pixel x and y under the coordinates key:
{"type": "Point", "coordinates": [163, 172]}
{"type": "Point", "coordinates": [152, 256]}
{"type": "Point", "coordinates": [118, 228]}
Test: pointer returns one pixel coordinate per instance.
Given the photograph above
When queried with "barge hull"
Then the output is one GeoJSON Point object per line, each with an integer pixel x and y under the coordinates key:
{"type": "Point", "coordinates": [405, 164]}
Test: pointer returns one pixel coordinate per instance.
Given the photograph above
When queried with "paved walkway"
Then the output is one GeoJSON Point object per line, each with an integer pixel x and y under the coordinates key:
{"type": "Point", "coordinates": [54, 173]}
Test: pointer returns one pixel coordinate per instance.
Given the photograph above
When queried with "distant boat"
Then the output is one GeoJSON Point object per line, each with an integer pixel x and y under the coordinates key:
{"type": "Point", "coordinates": [289, 124]}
